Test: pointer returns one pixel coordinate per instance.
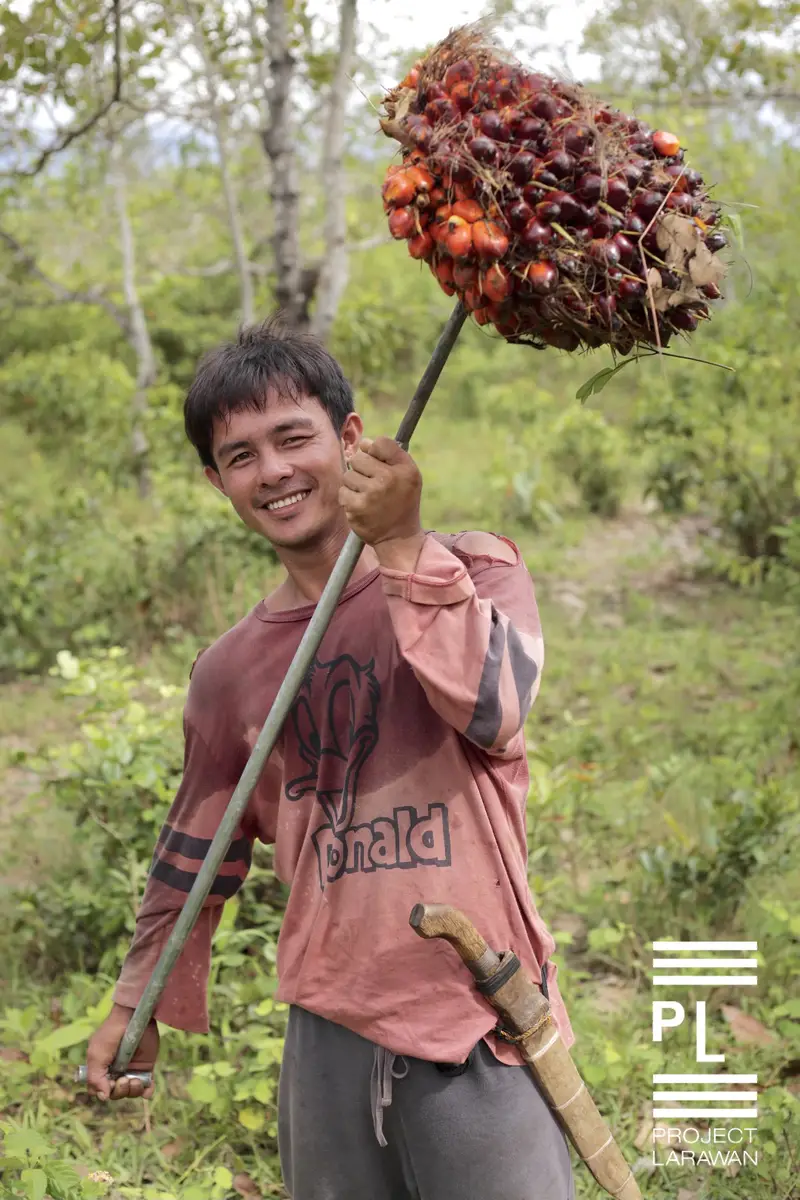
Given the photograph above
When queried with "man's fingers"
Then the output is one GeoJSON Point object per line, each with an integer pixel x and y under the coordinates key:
{"type": "Point", "coordinates": [365, 463]}
{"type": "Point", "coordinates": [354, 481]}
{"type": "Point", "coordinates": [384, 448]}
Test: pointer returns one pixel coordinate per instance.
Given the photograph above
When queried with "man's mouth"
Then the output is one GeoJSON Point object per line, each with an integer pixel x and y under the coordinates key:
{"type": "Point", "coordinates": [286, 501]}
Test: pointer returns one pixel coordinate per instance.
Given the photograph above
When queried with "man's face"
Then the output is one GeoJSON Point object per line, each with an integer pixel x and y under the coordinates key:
{"type": "Point", "coordinates": [282, 469]}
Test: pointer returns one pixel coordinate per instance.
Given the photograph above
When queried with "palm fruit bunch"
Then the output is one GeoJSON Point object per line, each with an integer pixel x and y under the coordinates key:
{"type": "Point", "coordinates": [556, 219]}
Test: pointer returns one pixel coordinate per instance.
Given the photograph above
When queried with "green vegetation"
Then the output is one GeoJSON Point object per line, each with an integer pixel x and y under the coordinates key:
{"type": "Point", "coordinates": [660, 520]}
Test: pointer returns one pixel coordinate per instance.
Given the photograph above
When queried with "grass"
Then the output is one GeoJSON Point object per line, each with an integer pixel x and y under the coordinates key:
{"type": "Point", "coordinates": [664, 731]}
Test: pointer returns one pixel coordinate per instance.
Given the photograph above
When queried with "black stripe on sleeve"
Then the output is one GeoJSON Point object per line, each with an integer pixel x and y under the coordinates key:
{"type": "Point", "coordinates": [524, 670]}
{"type": "Point", "coordinates": [197, 848]}
{"type": "Point", "coordinates": [183, 881]}
{"type": "Point", "coordinates": [487, 716]}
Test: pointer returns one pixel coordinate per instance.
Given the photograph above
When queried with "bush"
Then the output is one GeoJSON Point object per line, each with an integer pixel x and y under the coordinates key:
{"type": "Point", "coordinates": [592, 453]}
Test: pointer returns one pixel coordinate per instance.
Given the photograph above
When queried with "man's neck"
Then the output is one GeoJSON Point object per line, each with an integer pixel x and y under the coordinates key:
{"type": "Point", "coordinates": [308, 571]}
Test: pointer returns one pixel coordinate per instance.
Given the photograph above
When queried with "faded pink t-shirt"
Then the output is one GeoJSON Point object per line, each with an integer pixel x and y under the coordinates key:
{"type": "Point", "coordinates": [400, 776]}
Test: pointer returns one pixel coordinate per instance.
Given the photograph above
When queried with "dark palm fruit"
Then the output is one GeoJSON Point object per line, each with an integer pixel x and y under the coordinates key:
{"type": "Point", "coordinates": [548, 210]}
{"type": "Point", "coordinates": [647, 204]}
{"type": "Point", "coordinates": [561, 164]}
{"type": "Point", "coordinates": [617, 193]}
{"type": "Point", "coordinates": [545, 107]}
{"type": "Point", "coordinates": [542, 276]}
{"type": "Point", "coordinates": [606, 306]}
{"type": "Point", "coordinates": [683, 318]}
{"type": "Point", "coordinates": [630, 291]}
{"type": "Point", "coordinates": [521, 167]}
{"type": "Point", "coordinates": [682, 202]}
{"type": "Point", "coordinates": [632, 174]}
{"type": "Point", "coordinates": [483, 150]}
{"type": "Point", "coordinates": [589, 213]}
{"type": "Point", "coordinates": [532, 194]}
{"type": "Point", "coordinates": [602, 227]}
{"type": "Point", "coordinates": [528, 129]}
{"type": "Point", "coordinates": [460, 71]}
{"type": "Point", "coordinates": [569, 206]}
{"type": "Point", "coordinates": [493, 126]}
{"type": "Point", "coordinates": [536, 233]}
{"type": "Point", "coordinates": [576, 138]}
{"type": "Point", "coordinates": [518, 215]}
{"type": "Point", "coordinates": [626, 248]}
{"type": "Point", "coordinates": [634, 223]}
{"type": "Point", "coordinates": [711, 291]}
{"type": "Point", "coordinates": [716, 241]}
{"type": "Point", "coordinates": [589, 188]}
{"type": "Point", "coordinates": [546, 178]}
{"type": "Point", "coordinates": [604, 251]}
{"type": "Point", "coordinates": [670, 280]}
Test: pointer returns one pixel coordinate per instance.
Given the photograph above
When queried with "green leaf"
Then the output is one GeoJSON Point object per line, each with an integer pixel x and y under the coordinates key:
{"type": "Point", "coordinates": [202, 1091]}
{"type": "Point", "coordinates": [35, 1182]}
{"type": "Point", "coordinates": [26, 1144]}
{"type": "Point", "coordinates": [223, 1177]}
{"type": "Point", "coordinates": [67, 1035]}
{"type": "Point", "coordinates": [251, 1118]}
{"type": "Point", "coordinates": [596, 383]}
{"type": "Point", "coordinates": [734, 223]}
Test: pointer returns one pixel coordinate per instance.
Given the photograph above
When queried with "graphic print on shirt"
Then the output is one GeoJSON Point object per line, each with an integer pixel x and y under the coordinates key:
{"type": "Point", "coordinates": [335, 721]}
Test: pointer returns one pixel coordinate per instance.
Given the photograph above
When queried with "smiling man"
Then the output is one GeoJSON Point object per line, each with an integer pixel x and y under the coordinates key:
{"type": "Point", "coordinates": [400, 776]}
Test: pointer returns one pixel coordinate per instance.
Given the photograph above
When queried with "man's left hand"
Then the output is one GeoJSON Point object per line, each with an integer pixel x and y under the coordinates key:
{"type": "Point", "coordinates": [381, 492]}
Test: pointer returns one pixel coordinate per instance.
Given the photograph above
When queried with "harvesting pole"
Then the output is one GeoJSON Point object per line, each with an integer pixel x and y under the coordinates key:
{"type": "Point", "coordinates": [317, 627]}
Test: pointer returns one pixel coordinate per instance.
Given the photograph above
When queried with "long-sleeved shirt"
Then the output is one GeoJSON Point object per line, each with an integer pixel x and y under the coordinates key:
{"type": "Point", "coordinates": [400, 776]}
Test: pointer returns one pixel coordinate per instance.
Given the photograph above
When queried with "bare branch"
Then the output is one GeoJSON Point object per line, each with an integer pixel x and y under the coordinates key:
{"type": "Point", "coordinates": [63, 294]}
{"type": "Point", "coordinates": [73, 134]}
{"type": "Point", "coordinates": [277, 141]}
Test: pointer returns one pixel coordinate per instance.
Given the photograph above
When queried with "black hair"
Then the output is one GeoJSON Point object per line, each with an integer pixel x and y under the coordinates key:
{"type": "Point", "coordinates": [238, 375]}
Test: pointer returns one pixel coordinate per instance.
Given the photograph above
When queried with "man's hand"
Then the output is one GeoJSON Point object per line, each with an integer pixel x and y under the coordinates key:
{"type": "Point", "coordinates": [381, 493]}
{"type": "Point", "coordinates": [102, 1051]}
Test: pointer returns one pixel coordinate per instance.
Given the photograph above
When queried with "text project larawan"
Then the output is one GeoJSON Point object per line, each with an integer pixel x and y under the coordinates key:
{"type": "Point", "coordinates": [712, 1095]}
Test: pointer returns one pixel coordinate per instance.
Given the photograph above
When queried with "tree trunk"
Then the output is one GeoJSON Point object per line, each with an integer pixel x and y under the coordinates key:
{"type": "Point", "coordinates": [333, 276]}
{"type": "Point", "coordinates": [139, 335]}
{"type": "Point", "coordinates": [246, 300]}
{"type": "Point", "coordinates": [277, 140]}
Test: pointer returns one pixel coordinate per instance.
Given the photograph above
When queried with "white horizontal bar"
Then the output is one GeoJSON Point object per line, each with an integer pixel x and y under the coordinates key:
{"type": "Point", "coordinates": [705, 980]}
{"type": "Point", "coordinates": [705, 945]}
{"type": "Point", "coordinates": [705, 1096]}
{"type": "Point", "coordinates": [704, 1078]}
{"type": "Point", "coordinates": [660, 963]}
{"type": "Point", "coordinates": [705, 1112]}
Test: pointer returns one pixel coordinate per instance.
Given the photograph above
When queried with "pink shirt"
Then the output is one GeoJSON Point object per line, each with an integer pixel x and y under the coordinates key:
{"type": "Point", "coordinates": [400, 776]}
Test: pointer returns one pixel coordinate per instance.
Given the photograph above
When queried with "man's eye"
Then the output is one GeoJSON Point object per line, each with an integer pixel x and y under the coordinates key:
{"type": "Point", "coordinates": [297, 438]}
{"type": "Point", "coordinates": [238, 457]}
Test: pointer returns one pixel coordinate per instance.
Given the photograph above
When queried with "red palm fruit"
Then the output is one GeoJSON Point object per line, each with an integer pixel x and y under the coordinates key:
{"type": "Point", "coordinates": [576, 138]}
{"type": "Point", "coordinates": [438, 197]}
{"type": "Point", "coordinates": [617, 193]}
{"type": "Point", "coordinates": [400, 189]}
{"type": "Point", "coordinates": [458, 72]}
{"type": "Point", "coordinates": [489, 240]}
{"type": "Point", "coordinates": [492, 125]}
{"type": "Point", "coordinates": [521, 167]}
{"type": "Point", "coordinates": [444, 272]}
{"type": "Point", "coordinates": [677, 175]}
{"type": "Point", "coordinates": [711, 291]}
{"type": "Point", "coordinates": [568, 206]}
{"type": "Point", "coordinates": [422, 179]}
{"type": "Point", "coordinates": [681, 202]}
{"type": "Point", "coordinates": [458, 238]}
{"type": "Point", "coordinates": [473, 298]}
{"type": "Point", "coordinates": [401, 223]}
{"type": "Point", "coordinates": [497, 284]}
{"type": "Point", "coordinates": [602, 227]}
{"type": "Point", "coordinates": [481, 316]}
{"type": "Point", "coordinates": [468, 210]}
{"type": "Point", "coordinates": [536, 234]}
{"type": "Point", "coordinates": [465, 275]}
{"type": "Point", "coordinates": [529, 129]}
{"type": "Point", "coordinates": [542, 276]}
{"type": "Point", "coordinates": [634, 224]}
{"type": "Point", "coordinates": [606, 306]}
{"type": "Point", "coordinates": [630, 290]}
{"type": "Point", "coordinates": [421, 245]}
{"type": "Point", "coordinates": [461, 95]}
{"type": "Point", "coordinates": [626, 248]}
{"type": "Point", "coordinates": [518, 215]}
{"type": "Point", "coordinates": [464, 191]}
{"type": "Point", "coordinates": [666, 144]}
{"type": "Point", "coordinates": [436, 91]}
{"type": "Point", "coordinates": [483, 150]}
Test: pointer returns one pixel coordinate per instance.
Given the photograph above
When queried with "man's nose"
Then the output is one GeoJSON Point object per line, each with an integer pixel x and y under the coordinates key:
{"type": "Point", "coordinates": [273, 469]}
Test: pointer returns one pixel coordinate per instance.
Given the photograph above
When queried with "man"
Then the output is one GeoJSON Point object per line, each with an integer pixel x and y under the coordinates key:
{"type": "Point", "coordinates": [400, 776]}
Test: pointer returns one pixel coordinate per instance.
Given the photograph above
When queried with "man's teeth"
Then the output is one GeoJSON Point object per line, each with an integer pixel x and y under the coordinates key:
{"type": "Point", "coordinates": [293, 499]}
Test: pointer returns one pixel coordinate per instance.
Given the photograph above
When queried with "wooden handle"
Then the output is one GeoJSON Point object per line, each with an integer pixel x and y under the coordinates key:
{"type": "Point", "coordinates": [444, 921]}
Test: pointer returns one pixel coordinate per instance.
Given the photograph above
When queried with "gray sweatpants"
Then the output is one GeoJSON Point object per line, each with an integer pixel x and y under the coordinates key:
{"type": "Point", "coordinates": [356, 1123]}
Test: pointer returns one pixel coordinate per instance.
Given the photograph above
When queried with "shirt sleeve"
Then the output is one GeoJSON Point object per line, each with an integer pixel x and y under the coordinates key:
{"type": "Point", "coordinates": [184, 841]}
{"type": "Point", "coordinates": [472, 636]}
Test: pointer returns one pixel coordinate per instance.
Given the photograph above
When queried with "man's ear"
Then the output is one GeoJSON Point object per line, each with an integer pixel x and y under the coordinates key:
{"type": "Point", "coordinates": [352, 433]}
{"type": "Point", "coordinates": [213, 477]}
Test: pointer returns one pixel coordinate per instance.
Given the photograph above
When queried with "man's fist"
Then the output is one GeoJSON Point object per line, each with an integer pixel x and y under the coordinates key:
{"type": "Point", "coordinates": [102, 1051]}
{"type": "Point", "coordinates": [381, 492]}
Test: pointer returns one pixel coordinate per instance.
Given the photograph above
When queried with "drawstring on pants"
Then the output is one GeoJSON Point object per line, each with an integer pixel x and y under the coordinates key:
{"type": "Point", "coordinates": [383, 1073]}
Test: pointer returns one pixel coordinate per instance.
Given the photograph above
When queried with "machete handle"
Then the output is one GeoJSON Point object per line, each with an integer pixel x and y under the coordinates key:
{"type": "Point", "coordinates": [444, 921]}
{"type": "Point", "coordinates": [145, 1077]}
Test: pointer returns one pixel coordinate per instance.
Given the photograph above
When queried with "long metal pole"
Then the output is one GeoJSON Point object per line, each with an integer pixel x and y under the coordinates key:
{"type": "Point", "coordinates": [317, 627]}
